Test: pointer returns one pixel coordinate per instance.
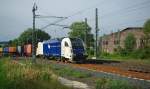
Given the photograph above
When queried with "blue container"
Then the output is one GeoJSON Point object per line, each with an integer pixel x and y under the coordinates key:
{"type": "Point", "coordinates": [52, 48]}
{"type": "Point", "coordinates": [5, 49]}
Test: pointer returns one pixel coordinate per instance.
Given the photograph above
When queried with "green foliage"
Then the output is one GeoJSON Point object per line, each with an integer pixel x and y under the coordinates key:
{"type": "Point", "coordinates": [78, 29]}
{"type": "Point", "coordinates": [147, 28]}
{"type": "Point", "coordinates": [130, 42]}
{"type": "Point", "coordinates": [113, 84]}
{"type": "Point", "coordinates": [143, 53]}
{"type": "Point", "coordinates": [26, 37]}
{"type": "Point", "coordinates": [90, 52]}
{"type": "Point", "coordinates": [121, 51]}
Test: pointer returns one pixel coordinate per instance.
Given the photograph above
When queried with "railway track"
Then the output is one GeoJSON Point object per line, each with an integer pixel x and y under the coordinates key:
{"type": "Point", "coordinates": [111, 70]}
{"type": "Point", "coordinates": [141, 72]}
{"type": "Point", "coordinates": [127, 69]}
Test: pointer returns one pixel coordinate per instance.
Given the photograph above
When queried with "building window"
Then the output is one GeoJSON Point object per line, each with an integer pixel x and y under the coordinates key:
{"type": "Point", "coordinates": [105, 42]}
{"type": "Point", "coordinates": [116, 42]}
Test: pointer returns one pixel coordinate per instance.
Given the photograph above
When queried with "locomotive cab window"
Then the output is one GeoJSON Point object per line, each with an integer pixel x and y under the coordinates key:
{"type": "Point", "coordinates": [66, 44]}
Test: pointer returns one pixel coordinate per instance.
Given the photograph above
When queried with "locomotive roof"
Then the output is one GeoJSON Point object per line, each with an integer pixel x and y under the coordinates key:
{"type": "Point", "coordinates": [56, 40]}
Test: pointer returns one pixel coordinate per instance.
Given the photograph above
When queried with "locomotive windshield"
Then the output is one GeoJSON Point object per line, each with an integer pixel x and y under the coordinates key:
{"type": "Point", "coordinates": [76, 43]}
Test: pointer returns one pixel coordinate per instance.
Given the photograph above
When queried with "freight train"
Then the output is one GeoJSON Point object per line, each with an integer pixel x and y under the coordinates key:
{"type": "Point", "coordinates": [24, 50]}
{"type": "Point", "coordinates": [65, 49]}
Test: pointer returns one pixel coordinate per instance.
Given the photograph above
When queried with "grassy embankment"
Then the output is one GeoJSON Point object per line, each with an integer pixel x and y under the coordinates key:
{"type": "Point", "coordinates": [29, 76]}
{"type": "Point", "coordinates": [39, 76]}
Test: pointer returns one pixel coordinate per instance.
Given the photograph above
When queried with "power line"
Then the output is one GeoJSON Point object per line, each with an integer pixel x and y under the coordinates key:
{"type": "Point", "coordinates": [123, 12]}
{"type": "Point", "coordinates": [81, 11]}
{"type": "Point", "coordinates": [53, 23]}
{"type": "Point", "coordinates": [40, 16]}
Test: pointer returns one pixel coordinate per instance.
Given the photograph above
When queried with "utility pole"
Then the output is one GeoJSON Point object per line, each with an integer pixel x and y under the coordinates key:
{"type": "Point", "coordinates": [96, 32]}
{"type": "Point", "coordinates": [86, 28]}
{"type": "Point", "coordinates": [33, 35]}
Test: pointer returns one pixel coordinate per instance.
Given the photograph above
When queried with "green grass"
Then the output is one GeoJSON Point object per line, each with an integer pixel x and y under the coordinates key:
{"type": "Point", "coordinates": [29, 76]}
{"type": "Point", "coordinates": [105, 83]}
{"type": "Point", "coordinates": [65, 71]}
{"type": "Point", "coordinates": [118, 57]}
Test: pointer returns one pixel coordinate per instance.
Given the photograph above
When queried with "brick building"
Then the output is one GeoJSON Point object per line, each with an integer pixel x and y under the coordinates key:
{"type": "Point", "coordinates": [110, 42]}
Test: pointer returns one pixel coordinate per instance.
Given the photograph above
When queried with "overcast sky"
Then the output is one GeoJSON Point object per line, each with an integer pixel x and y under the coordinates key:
{"type": "Point", "coordinates": [114, 15]}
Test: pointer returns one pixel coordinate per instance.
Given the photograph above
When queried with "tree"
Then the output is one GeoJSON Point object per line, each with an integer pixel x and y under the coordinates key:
{"type": "Point", "coordinates": [78, 29]}
{"type": "Point", "coordinates": [147, 28]}
{"type": "Point", "coordinates": [13, 42]}
{"type": "Point", "coordinates": [26, 37]}
{"type": "Point", "coordinates": [130, 42]}
{"type": "Point", "coordinates": [146, 38]}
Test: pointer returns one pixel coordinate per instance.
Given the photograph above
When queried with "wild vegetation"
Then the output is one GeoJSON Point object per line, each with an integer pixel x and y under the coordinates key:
{"type": "Point", "coordinates": [28, 76]}
{"type": "Point", "coordinates": [105, 83]}
{"type": "Point", "coordinates": [65, 71]}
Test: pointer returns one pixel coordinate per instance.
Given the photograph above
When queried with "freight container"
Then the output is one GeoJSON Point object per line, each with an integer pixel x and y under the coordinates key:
{"type": "Point", "coordinates": [1, 50]}
{"type": "Point", "coordinates": [28, 50]}
{"type": "Point", "coordinates": [20, 50]}
{"type": "Point", "coordinates": [5, 49]}
{"type": "Point", "coordinates": [12, 49]}
{"type": "Point", "coordinates": [39, 50]}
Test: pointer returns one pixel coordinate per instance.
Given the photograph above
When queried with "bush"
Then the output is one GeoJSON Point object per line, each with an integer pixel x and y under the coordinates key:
{"type": "Point", "coordinates": [130, 42]}
{"type": "Point", "coordinates": [141, 53]}
{"type": "Point", "coordinates": [90, 51]}
{"type": "Point", "coordinates": [122, 51]}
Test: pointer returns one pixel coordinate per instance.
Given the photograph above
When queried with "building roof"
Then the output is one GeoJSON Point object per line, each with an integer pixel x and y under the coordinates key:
{"type": "Point", "coordinates": [132, 28]}
{"type": "Point", "coordinates": [128, 28]}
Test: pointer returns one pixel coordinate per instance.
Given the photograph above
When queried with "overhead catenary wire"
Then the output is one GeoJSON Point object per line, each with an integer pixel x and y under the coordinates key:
{"type": "Point", "coordinates": [80, 12]}
{"type": "Point", "coordinates": [126, 10]}
{"type": "Point", "coordinates": [53, 23]}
